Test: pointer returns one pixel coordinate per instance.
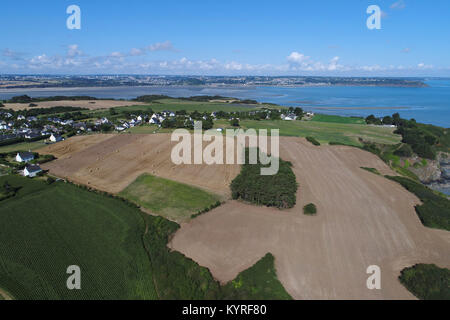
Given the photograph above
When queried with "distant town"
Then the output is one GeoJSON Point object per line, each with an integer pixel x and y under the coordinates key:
{"type": "Point", "coordinates": [66, 81]}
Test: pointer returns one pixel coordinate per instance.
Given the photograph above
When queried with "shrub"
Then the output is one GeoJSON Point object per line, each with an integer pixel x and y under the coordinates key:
{"type": "Point", "coordinates": [373, 170]}
{"type": "Point", "coordinates": [404, 151]}
{"type": "Point", "coordinates": [435, 210]}
{"type": "Point", "coordinates": [313, 141]}
{"type": "Point", "coordinates": [427, 281]}
{"type": "Point", "coordinates": [310, 209]}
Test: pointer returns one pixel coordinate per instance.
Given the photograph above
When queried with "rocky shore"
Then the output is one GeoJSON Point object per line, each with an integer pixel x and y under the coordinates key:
{"type": "Point", "coordinates": [436, 173]}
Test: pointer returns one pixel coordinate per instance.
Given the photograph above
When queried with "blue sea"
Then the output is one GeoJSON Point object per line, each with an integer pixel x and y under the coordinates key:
{"type": "Point", "coordinates": [427, 105]}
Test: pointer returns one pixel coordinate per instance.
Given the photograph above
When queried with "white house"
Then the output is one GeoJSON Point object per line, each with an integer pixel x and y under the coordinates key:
{"type": "Point", "coordinates": [55, 138]}
{"type": "Point", "coordinates": [31, 171]}
{"type": "Point", "coordinates": [20, 117]}
{"type": "Point", "coordinates": [24, 157]}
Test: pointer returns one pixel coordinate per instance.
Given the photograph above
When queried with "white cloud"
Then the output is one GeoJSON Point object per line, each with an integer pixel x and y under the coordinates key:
{"type": "Point", "coordinates": [161, 46]}
{"type": "Point", "coordinates": [406, 50]}
{"type": "Point", "coordinates": [117, 54]}
{"type": "Point", "coordinates": [73, 50]}
{"type": "Point", "coordinates": [296, 63]}
{"type": "Point", "coordinates": [424, 66]}
{"type": "Point", "coordinates": [296, 57]}
{"type": "Point", "coordinates": [400, 4]}
{"type": "Point", "coordinates": [136, 52]}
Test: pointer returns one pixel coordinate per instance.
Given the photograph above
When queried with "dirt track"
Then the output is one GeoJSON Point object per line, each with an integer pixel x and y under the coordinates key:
{"type": "Point", "coordinates": [363, 219]}
{"type": "Point", "coordinates": [90, 104]}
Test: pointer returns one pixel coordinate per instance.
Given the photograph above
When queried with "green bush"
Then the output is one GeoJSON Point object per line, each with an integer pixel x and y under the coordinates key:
{"type": "Point", "coordinates": [435, 210]}
{"type": "Point", "coordinates": [427, 281]}
{"type": "Point", "coordinates": [404, 151]}
{"type": "Point", "coordinates": [373, 170]}
{"type": "Point", "coordinates": [277, 190]}
{"type": "Point", "coordinates": [313, 141]}
{"type": "Point", "coordinates": [310, 209]}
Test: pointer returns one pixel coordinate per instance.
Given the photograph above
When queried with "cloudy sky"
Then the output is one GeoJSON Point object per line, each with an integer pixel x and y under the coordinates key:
{"type": "Point", "coordinates": [211, 37]}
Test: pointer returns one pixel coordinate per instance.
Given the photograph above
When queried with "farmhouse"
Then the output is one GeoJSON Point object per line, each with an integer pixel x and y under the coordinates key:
{"type": "Point", "coordinates": [31, 171]}
{"type": "Point", "coordinates": [55, 138]}
{"type": "Point", "coordinates": [24, 157]}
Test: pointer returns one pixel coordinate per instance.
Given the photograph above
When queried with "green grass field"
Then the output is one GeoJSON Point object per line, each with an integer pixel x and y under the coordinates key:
{"type": "Point", "coordinates": [337, 119]}
{"type": "Point", "coordinates": [170, 199]}
{"type": "Point", "coordinates": [189, 106]}
{"type": "Point", "coordinates": [23, 146]}
{"type": "Point", "coordinates": [122, 253]}
{"type": "Point", "coordinates": [326, 132]}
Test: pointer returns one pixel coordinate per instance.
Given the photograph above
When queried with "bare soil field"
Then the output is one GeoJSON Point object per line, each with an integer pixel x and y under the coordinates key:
{"type": "Point", "coordinates": [90, 104]}
{"type": "Point", "coordinates": [112, 162]}
{"type": "Point", "coordinates": [363, 219]}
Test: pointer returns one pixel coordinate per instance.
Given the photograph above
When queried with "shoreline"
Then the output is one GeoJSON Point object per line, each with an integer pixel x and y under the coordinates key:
{"type": "Point", "coordinates": [218, 86]}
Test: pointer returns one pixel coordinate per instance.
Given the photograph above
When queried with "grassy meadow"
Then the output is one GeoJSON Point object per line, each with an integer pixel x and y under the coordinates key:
{"type": "Point", "coordinates": [23, 146]}
{"type": "Point", "coordinates": [170, 199]}
{"type": "Point", "coordinates": [326, 132]}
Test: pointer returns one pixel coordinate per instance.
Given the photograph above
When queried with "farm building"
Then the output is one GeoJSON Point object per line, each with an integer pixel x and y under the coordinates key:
{"type": "Point", "coordinates": [24, 156]}
{"type": "Point", "coordinates": [31, 171]}
{"type": "Point", "coordinates": [55, 138]}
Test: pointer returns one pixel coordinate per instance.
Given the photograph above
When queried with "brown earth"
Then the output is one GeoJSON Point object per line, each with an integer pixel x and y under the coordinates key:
{"type": "Point", "coordinates": [111, 162]}
{"type": "Point", "coordinates": [90, 104]}
{"type": "Point", "coordinates": [363, 219]}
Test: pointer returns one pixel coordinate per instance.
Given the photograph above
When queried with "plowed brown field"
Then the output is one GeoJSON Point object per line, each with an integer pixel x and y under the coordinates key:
{"type": "Point", "coordinates": [111, 162]}
{"type": "Point", "coordinates": [363, 219]}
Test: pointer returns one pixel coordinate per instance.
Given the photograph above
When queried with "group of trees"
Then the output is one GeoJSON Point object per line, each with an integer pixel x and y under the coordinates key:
{"type": "Point", "coordinates": [279, 190]}
{"type": "Point", "coordinates": [419, 140]}
{"type": "Point", "coordinates": [387, 120]}
{"type": "Point", "coordinates": [427, 281]}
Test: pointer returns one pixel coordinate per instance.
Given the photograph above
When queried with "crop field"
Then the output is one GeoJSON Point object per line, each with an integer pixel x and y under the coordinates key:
{"type": "Point", "coordinates": [46, 228]}
{"type": "Point", "coordinates": [170, 199]}
{"type": "Point", "coordinates": [362, 219]}
{"type": "Point", "coordinates": [357, 212]}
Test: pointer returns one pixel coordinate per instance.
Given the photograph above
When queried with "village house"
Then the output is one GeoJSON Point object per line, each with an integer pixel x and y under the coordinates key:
{"type": "Point", "coordinates": [24, 157]}
{"type": "Point", "coordinates": [31, 171]}
{"type": "Point", "coordinates": [55, 138]}
{"type": "Point", "coordinates": [32, 135]}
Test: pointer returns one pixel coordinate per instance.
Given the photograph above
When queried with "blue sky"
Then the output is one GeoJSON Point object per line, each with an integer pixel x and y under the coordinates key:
{"type": "Point", "coordinates": [229, 37]}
